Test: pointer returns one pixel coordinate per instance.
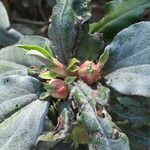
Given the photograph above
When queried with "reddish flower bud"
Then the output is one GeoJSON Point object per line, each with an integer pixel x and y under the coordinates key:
{"type": "Point", "coordinates": [59, 68]}
{"type": "Point", "coordinates": [58, 89]}
{"type": "Point", "coordinates": [89, 72]}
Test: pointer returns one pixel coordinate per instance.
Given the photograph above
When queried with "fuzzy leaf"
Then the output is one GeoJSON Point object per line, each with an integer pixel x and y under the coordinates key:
{"type": "Point", "coordinates": [90, 45]}
{"type": "Point", "coordinates": [4, 20]}
{"type": "Point", "coordinates": [103, 94]}
{"type": "Point", "coordinates": [36, 40]}
{"type": "Point", "coordinates": [9, 37]}
{"type": "Point", "coordinates": [83, 9]}
{"type": "Point", "coordinates": [62, 30]}
{"type": "Point", "coordinates": [21, 130]}
{"type": "Point", "coordinates": [133, 80]}
{"type": "Point", "coordinates": [130, 47]}
{"type": "Point", "coordinates": [139, 138]}
{"type": "Point", "coordinates": [18, 55]}
{"type": "Point", "coordinates": [101, 130]}
{"type": "Point", "coordinates": [64, 124]}
{"type": "Point", "coordinates": [135, 110]}
{"type": "Point", "coordinates": [18, 103]}
{"type": "Point", "coordinates": [119, 14]}
{"type": "Point", "coordinates": [7, 67]}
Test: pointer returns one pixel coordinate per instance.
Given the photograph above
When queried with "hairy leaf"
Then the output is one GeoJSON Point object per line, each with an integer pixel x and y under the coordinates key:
{"type": "Point", "coordinates": [38, 41]}
{"type": "Point", "coordinates": [18, 103]}
{"type": "Point", "coordinates": [10, 67]}
{"type": "Point", "coordinates": [62, 30]}
{"type": "Point", "coordinates": [133, 80]}
{"type": "Point", "coordinates": [103, 133]}
{"type": "Point", "coordinates": [9, 37]}
{"type": "Point", "coordinates": [4, 20]}
{"type": "Point", "coordinates": [63, 126]}
{"type": "Point", "coordinates": [83, 9]}
{"type": "Point", "coordinates": [119, 14]}
{"type": "Point", "coordinates": [135, 110]}
{"type": "Point", "coordinates": [21, 130]}
{"type": "Point", "coordinates": [89, 45]}
{"type": "Point", "coordinates": [18, 55]}
{"type": "Point", "coordinates": [130, 47]}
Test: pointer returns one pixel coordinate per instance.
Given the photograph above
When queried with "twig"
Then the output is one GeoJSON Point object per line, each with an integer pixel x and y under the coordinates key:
{"type": "Point", "coordinates": [37, 23]}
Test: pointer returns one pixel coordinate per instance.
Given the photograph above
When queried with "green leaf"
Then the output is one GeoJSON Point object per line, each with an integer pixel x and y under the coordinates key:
{"type": "Point", "coordinates": [62, 31]}
{"type": "Point", "coordinates": [10, 67]}
{"type": "Point", "coordinates": [135, 110]}
{"type": "Point", "coordinates": [119, 14]}
{"type": "Point", "coordinates": [18, 104]}
{"type": "Point", "coordinates": [44, 95]}
{"type": "Point", "coordinates": [38, 41]}
{"type": "Point", "coordinates": [134, 80]}
{"type": "Point", "coordinates": [103, 133]}
{"type": "Point", "coordinates": [90, 45]}
{"type": "Point", "coordinates": [9, 37]}
{"type": "Point", "coordinates": [139, 137]}
{"type": "Point", "coordinates": [70, 80]}
{"type": "Point", "coordinates": [17, 55]}
{"type": "Point", "coordinates": [4, 20]}
{"type": "Point", "coordinates": [78, 136]}
{"type": "Point", "coordinates": [37, 48]}
{"type": "Point", "coordinates": [83, 9]}
{"type": "Point", "coordinates": [72, 65]}
{"type": "Point", "coordinates": [48, 75]}
{"type": "Point", "coordinates": [63, 126]}
{"type": "Point", "coordinates": [130, 47]}
{"type": "Point", "coordinates": [104, 57]}
{"type": "Point", "coordinates": [37, 54]}
{"type": "Point", "coordinates": [103, 94]}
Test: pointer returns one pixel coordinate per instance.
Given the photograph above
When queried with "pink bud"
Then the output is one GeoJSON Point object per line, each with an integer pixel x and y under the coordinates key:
{"type": "Point", "coordinates": [59, 68]}
{"type": "Point", "coordinates": [89, 72]}
{"type": "Point", "coordinates": [59, 89]}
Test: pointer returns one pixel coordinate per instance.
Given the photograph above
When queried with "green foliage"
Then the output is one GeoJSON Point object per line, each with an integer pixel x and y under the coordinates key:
{"type": "Point", "coordinates": [81, 118]}
{"type": "Point", "coordinates": [89, 44]}
{"type": "Point", "coordinates": [104, 57]}
{"type": "Point", "coordinates": [63, 126]}
{"type": "Point", "coordinates": [119, 14]}
{"type": "Point", "coordinates": [48, 75]}
{"type": "Point", "coordinates": [101, 130]}
{"type": "Point", "coordinates": [17, 55]}
{"type": "Point", "coordinates": [62, 31]}
{"type": "Point", "coordinates": [39, 49]}
{"type": "Point", "coordinates": [128, 80]}
{"type": "Point", "coordinates": [130, 47]}
{"type": "Point", "coordinates": [18, 102]}
{"type": "Point", "coordinates": [72, 67]}
{"type": "Point", "coordinates": [69, 80]}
